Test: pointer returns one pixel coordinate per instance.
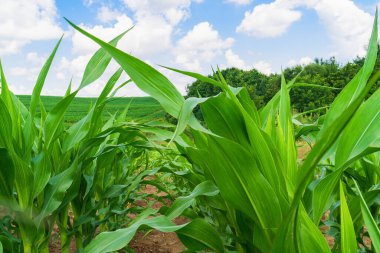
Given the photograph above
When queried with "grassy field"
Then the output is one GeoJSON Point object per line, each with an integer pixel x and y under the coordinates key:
{"type": "Point", "coordinates": [141, 108]}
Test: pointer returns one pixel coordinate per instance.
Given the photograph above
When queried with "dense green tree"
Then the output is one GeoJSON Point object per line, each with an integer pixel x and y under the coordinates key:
{"type": "Point", "coordinates": [261, 87]}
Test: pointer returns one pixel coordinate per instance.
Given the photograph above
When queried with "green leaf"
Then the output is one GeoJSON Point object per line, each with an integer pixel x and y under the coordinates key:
{"type": "Point", "coordinates": [35, 99]}
{"type": "Point", "coordinates": [347, 232]}
{"type": "Point", "coordinates": [78, 131]}
{"type": "Point", "coordinates": [199, 235]}
{"type": "Point", "coordinates": [362, 135]}
{"type": "Point", "coordinates": [55, 191]}
{"type": "Point", "coordinates": [286, 142]}
{"type": "Point", "coordinates": [206, 188]}
{"type": "Point", "coordinates": [116, 240]}
{"type": "Point", "coordinates": [345, 108]}
{"type": "Point", "coordinates": [371, 224]}
{"type": "Point", "coordinates": [144, 76]}
{"type": "Point", "coordinates": [185, 114]}
{"type": "Point", "coordinates": [7, 174]}
{"type": "Point", "coordinates": [54, 120]}
{"type": "Point", "coordinates": [356, 86]}
{"type": "Point", "coordinates": [98, 63]}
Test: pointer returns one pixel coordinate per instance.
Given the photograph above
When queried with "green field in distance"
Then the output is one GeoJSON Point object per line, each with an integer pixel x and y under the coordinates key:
{"type": "Point", "coordinates": [141, 108]}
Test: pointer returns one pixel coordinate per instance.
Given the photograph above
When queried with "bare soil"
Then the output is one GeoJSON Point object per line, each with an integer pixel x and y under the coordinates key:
{"type": "Point", "coordinates": [143, 242]}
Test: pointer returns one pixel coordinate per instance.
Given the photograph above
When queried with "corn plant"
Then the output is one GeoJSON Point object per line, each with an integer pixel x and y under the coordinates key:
{"type": "Point", "coordinates": [39, 158]}
{"type": "Point", "coordinates": [84, 178]}
{"type": "Point", "coordinates": [273, 203]}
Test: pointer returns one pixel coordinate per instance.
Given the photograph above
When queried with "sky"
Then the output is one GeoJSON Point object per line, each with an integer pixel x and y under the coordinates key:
{"type": "Point", "coordinates": [193, 35]}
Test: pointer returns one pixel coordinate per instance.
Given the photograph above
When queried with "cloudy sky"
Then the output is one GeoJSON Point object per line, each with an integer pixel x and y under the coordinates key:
{"type": "Point", "coordinates": [186, 34]}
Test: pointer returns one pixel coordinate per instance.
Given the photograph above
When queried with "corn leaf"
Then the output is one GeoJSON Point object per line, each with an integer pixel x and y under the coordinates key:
{"type": "Point", "coordinates": [155, 84]}
{"type": "Point", "coordinates": [371, 224]}
{"type": "Point", "coordinates": [35, 99]}
{"type": "Point", "coordinates": [348, 238]}
{"type": "Point", "coordinates": [98, 63]}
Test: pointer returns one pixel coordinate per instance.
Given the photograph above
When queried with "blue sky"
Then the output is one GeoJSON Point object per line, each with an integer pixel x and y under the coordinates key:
{"type": "Point", "coordinates": [186, 34]}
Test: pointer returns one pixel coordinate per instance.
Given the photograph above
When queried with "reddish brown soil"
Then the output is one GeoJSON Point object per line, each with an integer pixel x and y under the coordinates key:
{"type": "Point", "coordinates": [157, 241]}
{"type": "Point", "coordinates": [154, 241]}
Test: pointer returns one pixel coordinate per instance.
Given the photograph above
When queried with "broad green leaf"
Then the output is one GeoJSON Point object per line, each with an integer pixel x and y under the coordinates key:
{"type": "Point", "coordinates": [144, 76]}
{"type": "Point", "coordinates": [309, 237]}
{"type": "Point", "coordinates": [372, 227]}
{"type": "Point", "coordinates": [7, 174]}
{"type": "Point", "coordinates": [115, 240]}
{"type": "Point", "coordinates": [248, 105]}
{"type": "Point", "coordinates": [199, 77]}
{"type": "Point", "coordinates": [54, 120]}
{"type": "Point", "coordinates": [181, 203]}
{"type": "Point", "coordinates": [80, 129]}
{"type": "Point", "coordinates": [347, 232]}
{"type": "Point", "coordinates": [299, 235]}
{"type": "Point", "coordinates": [185, 113]}
{"type": "Point", "coordinates": [5, 126]}
{"type": "Point", "coordinates": [224, 117]}
{"type": "Point", "coordinates": [35, 99]}
{"type": "Point", "coordinates": [41, 173]}
{"type": "Point", "coordinates": [322, 192]}
{"type": "Point", "coordinates": [286, 142]}
{"type": "Point", "coordinates": [246, 188]}
{"type": "Point", "coordinates": [361, 136]}
{"type": "Point", "coordinates": [199, 235]}
{"type": "Point", "coordinates": [355, 207]}
{"type": "Point", "coordinates": [356, 86]}
{"type": "Point", "coordinates": [348, 105]}
{"type": "Point", "coordinates": [13, 109]}
{"type": "Point", "coordinates": [55, 191]}
{"type": "Point", "coordinates": [98, 63]}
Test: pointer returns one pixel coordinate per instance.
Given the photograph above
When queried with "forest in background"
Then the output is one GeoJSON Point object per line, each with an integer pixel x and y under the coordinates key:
{"type": "Point", "coordinates": [261, 87]}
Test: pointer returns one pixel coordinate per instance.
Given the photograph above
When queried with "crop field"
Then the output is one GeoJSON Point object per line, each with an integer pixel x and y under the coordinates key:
{"type": "Point", "coordinates": [140, 108]}
{"type": "Point", "coordinates": [242, 179]}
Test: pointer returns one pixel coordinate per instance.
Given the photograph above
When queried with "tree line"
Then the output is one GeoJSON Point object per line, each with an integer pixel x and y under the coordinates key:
{"type": "Point", "coordinates": [261, 87]}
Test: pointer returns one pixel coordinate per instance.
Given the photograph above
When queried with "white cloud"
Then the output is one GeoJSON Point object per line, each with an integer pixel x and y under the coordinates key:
{"type": "Point", "coordinates": [24, 21]}
{"type": "Point", "coordinates": [200, 46]}
{"type": "Point", "coordinates": [263, 67]}
{"type": "Point", "coordinates": [239, 2]}
{"type": "Point", "coordinates": [234, 60]}
{"type": "Point", "coordinates": [18, 71]}
{"type": "Point", "coordinates": [29, 73]}
{"type": "Point", "coordinates": [269, 20]}
{"type": "Point", "coordinates": [151, 38]}
{"type": "Point", "coordinates": [348, 26]}
{"type": "Point", "coordinates": [302, 61]}
{"type": "Point", "coordinates": [34, 58]}
{"type": "Point", "coordinates": [106, 14]}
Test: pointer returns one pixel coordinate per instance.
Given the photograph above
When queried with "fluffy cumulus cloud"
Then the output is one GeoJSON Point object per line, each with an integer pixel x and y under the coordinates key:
{"type": "Point", "coordinates": [151, 39]}
{"type": "Point", "coordinates": [106, 14]}
{"type": "Point", "coordinates": [37, 22]}
{"type": "Point", "coordinates": [154, 23]}
{"type": "Point", "coordinates": [234, 60]}
{"type": "Point", "coordinates": [302, 61]}
{"type": "Point", "coordinates": [200, 46]}
{"type": "Point", "coordinates": [349, 35]}
{"type": "Point", "coordinates": [269, 20]}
